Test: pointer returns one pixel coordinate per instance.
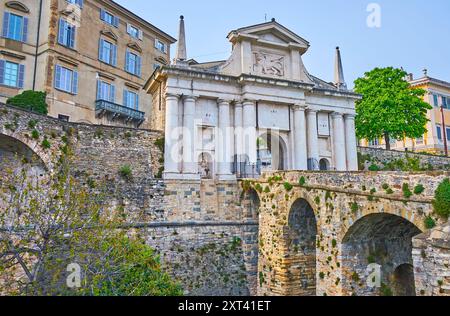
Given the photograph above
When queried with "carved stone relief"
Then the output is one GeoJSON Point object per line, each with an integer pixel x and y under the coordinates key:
{"type": "Point", "coordinates": [268, 64]}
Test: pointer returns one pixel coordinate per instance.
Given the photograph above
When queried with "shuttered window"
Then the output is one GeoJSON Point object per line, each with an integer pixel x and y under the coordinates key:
{"type": "Point", "coordinates": [12, 74]}
{"type": "Point", "coordinates": [66, 34]}
{"type": "Point", "coordinates": [108, 52]}
{"type": "Point", "coordinates": [15, 27]}
{"type": "Point", "coordinates": [66, 79]}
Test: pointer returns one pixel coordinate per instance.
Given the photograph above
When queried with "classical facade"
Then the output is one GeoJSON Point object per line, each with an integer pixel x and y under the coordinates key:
{"type": "Point", "coordinates": [438, 126]}
{"type": "Point", "coordinates": [259, 110]}
{"type": "Point", "coordinates": [92, 57]}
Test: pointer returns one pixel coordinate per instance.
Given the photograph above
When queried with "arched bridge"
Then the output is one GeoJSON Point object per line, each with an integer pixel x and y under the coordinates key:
{"type": "Point", "coordinates": [320, 233]}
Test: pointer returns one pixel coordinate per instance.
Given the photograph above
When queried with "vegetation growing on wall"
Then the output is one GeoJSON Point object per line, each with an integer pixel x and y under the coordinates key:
{"type": "Point", "coordinates": [441, 201]}
{"type": "Point", "coordinates": [30, 100]}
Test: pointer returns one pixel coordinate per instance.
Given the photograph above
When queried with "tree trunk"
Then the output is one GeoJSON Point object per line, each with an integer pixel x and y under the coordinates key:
{"type": "Point", "coordinates": [387, 140]}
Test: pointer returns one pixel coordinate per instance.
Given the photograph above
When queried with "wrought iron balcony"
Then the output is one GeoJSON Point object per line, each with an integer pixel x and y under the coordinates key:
{"type": "Point", "coordinates": [115, 112]}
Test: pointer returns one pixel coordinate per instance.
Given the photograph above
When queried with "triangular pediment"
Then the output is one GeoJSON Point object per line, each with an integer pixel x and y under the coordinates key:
{"type": "Point", "coordinates": [271, 32]}
{"type": "Point", "coordinates": [135, 47]}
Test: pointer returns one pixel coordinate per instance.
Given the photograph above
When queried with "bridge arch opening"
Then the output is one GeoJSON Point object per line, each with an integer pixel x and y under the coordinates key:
{"type": "Point", "coordinates": [378, 242]}
{"type": "Point", "coordinates": [251, 203]}
{"type": "Point", "coordinates": [302, 236]}
{"type": "Point", "coordinates": [14, 155]}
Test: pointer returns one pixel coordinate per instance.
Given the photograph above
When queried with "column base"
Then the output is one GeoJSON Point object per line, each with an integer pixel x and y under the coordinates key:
{"type": "Point", "coordinates": [191, 176]}
{"type": "Point", "coordinates": [226, 177]}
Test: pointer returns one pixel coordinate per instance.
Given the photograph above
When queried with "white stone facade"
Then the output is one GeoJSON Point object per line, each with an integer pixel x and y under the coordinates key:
{"type": "Point", "coordinates": [258, 110]}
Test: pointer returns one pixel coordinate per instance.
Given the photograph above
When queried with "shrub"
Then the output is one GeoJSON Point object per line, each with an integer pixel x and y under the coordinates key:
{"type": "Point", "coordinates": [354, 207]}
{"type": "Point", "coordinates": [430, 223]}
{"type": "Point", "coordinates": [406, 191]}
{"type": "Point", "coordinates": [35, 134]}
{"type": "Point", "coordinates": [374, 168]}
{"type": "Point", "coordinates": [32, 124]}
{"type": "Point", "coordinates": [160, 143]}
{"type": "Point", "coordinates": [30, 100]}
{"type": "Point", "coordinates": [126, 172]}
{"type": "Point", "coordinates": [441, 201]}
{"type": "Point", "coordinates": [46, 144]}
{"type": "Point", "coordinates": [419, 189]}
{"type": "Point", "coordinates": [302, 181]}
{"type": "Point", "coordinates": [288, 186]}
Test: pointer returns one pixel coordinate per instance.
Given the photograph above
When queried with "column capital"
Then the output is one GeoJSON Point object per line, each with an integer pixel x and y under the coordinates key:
{"type": "Point", "coordinates": [248, 102]}
{"type": "Point", "coordinates": [190, 98]}
{"type": "Point", "coordinates": [350, 116]}
{"type": "Point", "coordinates": [172, 96]}
{"type": "Point", "coordinates": [223, 102]}
{"type": "Point", "coordinates": [311, 111]}
{"type": "Point", "coordinates": [337, 115]}
{"type": "Point", "coordinates": [299, 107]}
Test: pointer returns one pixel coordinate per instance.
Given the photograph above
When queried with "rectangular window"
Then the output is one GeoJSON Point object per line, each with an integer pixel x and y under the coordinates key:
{"type": "Point", "coordinates": [436, 100]}
{"type": "Point", "coordinates": [375, 142]}
{"type": "Point", "coordinates": [420, 141]}
{"type": "Point", "coordinates": [15, 27]}
{"type": "Point", "coordinates": [66, 79]}
{"type": "Point", "coordinates": [63, 118]}
{"type": "Point", "coordinates": [439, 132]}
{"type": "Point", "coordinates": [107, 17]}
{"type": "Point", "coordinates": [133, 63]}
{"type": "Point", "coordinates": [445, 102]}
{"type": "Point", "coordinates": [448, 134]}
{"type": "Point", "coordinates": [77, 2]}
{"type": "Point", "coordinates": [134, 32]}
{"type": "Point", "coordinates": [66, 34]}
{"type": "Point", "coordinates": [106, 91]}
{"type": "Point", "coordinates": [160, 46]}
{"type": "Point", "coordinates": [12, 74]}
{"type": "Point", "coordinates": [108, 52]}
{"type": "Point", "coordinates": [131, 99]}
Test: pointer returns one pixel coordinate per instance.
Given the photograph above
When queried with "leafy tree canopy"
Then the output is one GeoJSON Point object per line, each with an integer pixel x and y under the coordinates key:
{"type": "Point", "coordinates": [390, 108]}
{"type": "Point", "coordinates": [30, 100]}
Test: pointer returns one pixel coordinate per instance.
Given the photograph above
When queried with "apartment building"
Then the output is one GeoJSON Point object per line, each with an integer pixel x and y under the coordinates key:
{"type": "Point", "coordinates": [438, 127]}
{"type": "Point", "coordinates": [92, 57]}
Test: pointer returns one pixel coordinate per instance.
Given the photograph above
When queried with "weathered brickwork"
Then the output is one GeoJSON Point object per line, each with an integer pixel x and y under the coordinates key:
{"type": "Point", "coordinates": [361, 218]}
{"type": "Point", "coordinates": [432, 262]}
{"type": "Point", "coordinates": [380, 157]}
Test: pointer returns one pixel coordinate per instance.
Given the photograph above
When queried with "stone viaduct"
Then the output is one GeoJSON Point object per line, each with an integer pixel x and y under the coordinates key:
{"type": "Point", "coordinates": [291, 233]}
{"type": "Point", "coordinates": [319, 232]}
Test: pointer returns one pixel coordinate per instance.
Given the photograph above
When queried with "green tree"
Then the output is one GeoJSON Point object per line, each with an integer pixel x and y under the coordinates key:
{"type": "Point", "coordinates": [390, 108]}
{"type": "Point", "coordinates": [30, 100]}
{"type": "Point", "coordinates": [51, 222]}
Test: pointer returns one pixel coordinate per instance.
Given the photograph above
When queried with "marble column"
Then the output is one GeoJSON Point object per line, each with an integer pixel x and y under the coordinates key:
{"type": "Point", "coordinates": [300, 142]}
{"type": "Point", "coordinates": [172, 144]}
{"type": "Point", "coordinates": [351, 143]}
{"type": "Point", "coordinates": [249, 133]}
{"type": "Point", "coordinates": [238, 133]}
{"type": "Point", "coordinates": [313, 139]}
{"type": "Point", "coordinates": [223, 152]}
{"type": "Point", "coordinates": [339, 148]}
{"type": "Point", "coordinates": [190, 167]}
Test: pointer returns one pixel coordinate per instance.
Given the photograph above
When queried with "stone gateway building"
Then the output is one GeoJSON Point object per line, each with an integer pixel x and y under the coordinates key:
{"type": "Point", "coordinates": [259, 110]}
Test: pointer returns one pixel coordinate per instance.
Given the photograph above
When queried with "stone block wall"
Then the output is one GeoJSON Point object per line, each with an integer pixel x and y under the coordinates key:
{"type": "Point", "coordinates": [380, 157]}
{"type": "Point", "coordinates": [431, 256]}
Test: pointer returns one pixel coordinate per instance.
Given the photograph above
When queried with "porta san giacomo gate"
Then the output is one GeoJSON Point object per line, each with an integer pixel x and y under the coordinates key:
{"type": "Point", "coordinates": [319, 232]}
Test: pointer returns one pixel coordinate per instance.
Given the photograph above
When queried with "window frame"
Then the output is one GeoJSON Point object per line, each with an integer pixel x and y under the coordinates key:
{"type": "Point", "coordinates": [69, 81]}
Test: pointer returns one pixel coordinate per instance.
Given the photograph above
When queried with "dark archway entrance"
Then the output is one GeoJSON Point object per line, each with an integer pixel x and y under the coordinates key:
{"type": "Point", "coordinates": [272, 152]}
{"type": "Point", "coordinates": [301, 242]}
{"type": "Point", "coordinates": [384, 240]}
{"type": "Point", "coordinates": [324, 164]}
{"type": "Point", "coordinates": [403, 283]}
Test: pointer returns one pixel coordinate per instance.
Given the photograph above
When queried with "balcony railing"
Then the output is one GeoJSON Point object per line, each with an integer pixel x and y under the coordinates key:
{"type": "Point", "coordinates": [116, 111]}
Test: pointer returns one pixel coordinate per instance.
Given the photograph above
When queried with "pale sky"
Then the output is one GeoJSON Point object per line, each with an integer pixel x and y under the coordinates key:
{"type": "Point", "coordinates": [414, 34]}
